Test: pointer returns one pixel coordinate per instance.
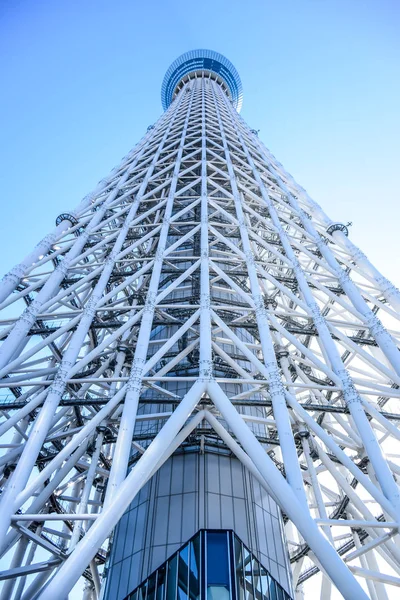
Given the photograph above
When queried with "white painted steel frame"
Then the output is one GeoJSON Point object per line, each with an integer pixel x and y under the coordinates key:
{"type": "Point", "coordinates": [198, 267]}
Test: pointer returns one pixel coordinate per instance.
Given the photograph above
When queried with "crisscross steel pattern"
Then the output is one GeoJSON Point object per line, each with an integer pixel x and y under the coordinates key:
{"type": "Point", "coordinates": [197, 292]}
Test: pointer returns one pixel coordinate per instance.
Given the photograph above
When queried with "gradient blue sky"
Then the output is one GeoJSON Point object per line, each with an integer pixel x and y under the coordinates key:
{"type": "Point", "coordinates": [81, 82]}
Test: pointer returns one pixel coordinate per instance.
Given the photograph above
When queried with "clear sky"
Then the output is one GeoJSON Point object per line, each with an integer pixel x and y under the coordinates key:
{"type": "Point", "coordinates": [80, 83]}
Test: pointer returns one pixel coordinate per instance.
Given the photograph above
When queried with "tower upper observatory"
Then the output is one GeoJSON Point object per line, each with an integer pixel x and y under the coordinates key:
{"type": "Point", "coordinates": [206, 62]}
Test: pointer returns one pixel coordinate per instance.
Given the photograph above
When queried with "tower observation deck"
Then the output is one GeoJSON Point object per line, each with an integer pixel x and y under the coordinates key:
{"type": "Point", "coordinates": [203, 63]}
{"type": "Point", "coordinates": [200, 378]}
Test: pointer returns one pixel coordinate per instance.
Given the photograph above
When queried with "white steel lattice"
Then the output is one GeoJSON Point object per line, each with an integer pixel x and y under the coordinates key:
{"type": "Point", "coordinates": [196, 282]}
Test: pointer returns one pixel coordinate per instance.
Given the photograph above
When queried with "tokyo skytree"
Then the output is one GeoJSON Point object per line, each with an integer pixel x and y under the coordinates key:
{"type": "Point", "coordinates": [200, 380]}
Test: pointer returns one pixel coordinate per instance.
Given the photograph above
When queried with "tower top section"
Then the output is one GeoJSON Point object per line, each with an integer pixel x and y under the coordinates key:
{"type": "Point", "coordinates": [200, 62]}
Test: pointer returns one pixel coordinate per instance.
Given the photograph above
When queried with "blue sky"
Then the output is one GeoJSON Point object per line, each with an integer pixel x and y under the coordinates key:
{"type": "Point", "coordinates": [81, 83]}
{"type": "Point", "coordinates": [81, 79]}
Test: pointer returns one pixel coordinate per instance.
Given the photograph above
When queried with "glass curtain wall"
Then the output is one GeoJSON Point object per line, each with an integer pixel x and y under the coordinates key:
{"type": "Point", "coordinates": [213, 565]}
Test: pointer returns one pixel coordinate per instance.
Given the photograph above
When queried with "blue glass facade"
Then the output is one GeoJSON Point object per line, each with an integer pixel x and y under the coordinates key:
{"type": "Point", "coordinates": [193, 492]}
{"type": "Point", "coordinates": [213, 565]}
{"type": "Point", "coordinates": [202, 60]}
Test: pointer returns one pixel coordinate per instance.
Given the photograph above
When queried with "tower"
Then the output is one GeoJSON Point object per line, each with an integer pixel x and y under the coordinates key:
{"type": "Point", "coordinates": [200, 364]}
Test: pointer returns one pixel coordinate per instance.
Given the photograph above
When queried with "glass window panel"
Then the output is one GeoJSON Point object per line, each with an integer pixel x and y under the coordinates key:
{"type": "Point", "coordinates": [160, 583]}
{"type": "Point", "coordinates": [181, 577]}
{"type": "Point", "coordinates": [264, 583]}
{"type": "Point", "coordinates": [218, 587]}
{"type": "Point", "coordinates": [182, 595]}
{"type": "Point", "coordinates": [217, 559]}
{"type": "Point", "coordinates": [272, 589]}
{"type": "Point", "coordinates": [171, 577]}
{"type": "Point", "coordinates": [257, 579]}
{"type": "Point", "coordinates": [142, 591]}
{"type": "Point", "coordinates": [194, 570]}
{"type": "Point", "coordinates": [183, 573]}
{"type": "Point", "coordinates": [151, 587]}
{"type": "Point", "coordinates": [279, 592]}
{"type": "Point", "coordinates": [238, 551]}
{"type": "Point", "coordinates": [248, 576]}
{"type": "Point", "coordinates": [184, 555]}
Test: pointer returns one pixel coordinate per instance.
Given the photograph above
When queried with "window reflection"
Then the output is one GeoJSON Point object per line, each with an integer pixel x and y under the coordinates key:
{"type": "Point", "coordinates": [272, 589]}
{"type": "Point", "coordinates": [218, 587]}
{"type": "Point", "coordinates": [171, 577]}
{"type": "Point", "coordinates": [142, 591]}
{"type": "Point", "coordinates": [229, 571]}
{"type": "Point", "coordinates": [279, 592]}
{"type": "Point", "coordinates": [183, 573]}
{"type": "Point", "coordinates": [239, 568]}
{"type": "Point", "coordinates": [255, 565]}
{"type": "Point", "coordinates": [264, 583]}
{"type": "Point", "coordinates": [194, 569]}
{"type": "Point", "coordinates": [151, 587]}
{"type": "Point", "coordinates": [248, 575]}
{"type": "Point", "coordinates": [160, 583]}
